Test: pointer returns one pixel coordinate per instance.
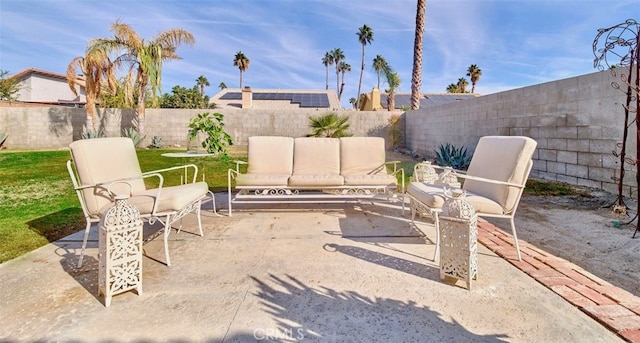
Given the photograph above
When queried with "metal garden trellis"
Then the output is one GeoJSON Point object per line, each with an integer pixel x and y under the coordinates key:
{"type": "Point", "coordinates": [622, 44]}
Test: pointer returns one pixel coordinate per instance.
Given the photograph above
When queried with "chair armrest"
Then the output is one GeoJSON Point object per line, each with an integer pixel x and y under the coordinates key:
{"type": "Point", "coordinates": [481, 179]}
{"type": "Point", "coordinates": [394, 163]}
{"type": "Point", "coordinates": [238, 163]}
{"type": "Point", "coordinates": [186, 167]}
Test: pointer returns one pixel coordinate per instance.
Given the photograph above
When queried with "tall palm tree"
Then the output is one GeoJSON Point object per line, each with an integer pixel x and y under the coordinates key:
{"type": "Point", "coordinates": [474, 73]}
{"type": "Point", "coordinates": [337, 56]}
{"type": "Point", "coordinates": [202, 81]}
{"type": "Point", "coordinates": [344, 67]}
{"type": "Point", "coordinates": [327, 60]}
{"type": "Point", "coordinates": [462, 85]}
{"type": "Point", "coordinates": [416, 76]}
{"type": "Point", "coordinates": [97, 71]}
{"type": "Point", "coordinates": [242, 62]}
{"type": "Point", "coordinates": [222, 86]}
{"type": "Point", "coordinates": [393, 80]}
{"type": "Point", "coordinates": [381, 66]}
{"type": "Point", "coordinates": [365, 36]}
{"type": "Point", "coordinates": [144, 59]}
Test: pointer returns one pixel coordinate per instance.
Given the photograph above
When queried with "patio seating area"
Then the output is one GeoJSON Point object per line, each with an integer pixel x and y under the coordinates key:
{"type": "Point", "coordinates": [295, 272]}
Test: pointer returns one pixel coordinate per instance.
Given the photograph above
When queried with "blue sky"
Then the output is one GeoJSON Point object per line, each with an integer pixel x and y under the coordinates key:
{"type": "Point", "coordinates": [516, 43]}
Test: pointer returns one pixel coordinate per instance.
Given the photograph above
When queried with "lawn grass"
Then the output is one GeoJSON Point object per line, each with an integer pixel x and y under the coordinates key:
{"type": "Point", "coordinates": [38, 204]}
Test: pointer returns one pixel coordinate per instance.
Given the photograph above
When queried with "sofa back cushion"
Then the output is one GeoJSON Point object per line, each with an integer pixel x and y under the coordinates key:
{"type": "Point", "coordinates": [102, 160]}
{"type": "Point", "coordinates": [270, 155]}
{"type": "Point", "coordinates": [362, 155]}
{"type": "Point", "coordinates": [502, 158]}
{"type": "Point", "coordinates": [316, 156]}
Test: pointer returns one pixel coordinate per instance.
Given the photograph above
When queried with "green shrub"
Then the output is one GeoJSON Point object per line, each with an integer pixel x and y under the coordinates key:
{"type": "Point", "coordinates": [329, 125]}
{"type": "Point", "coordinates": [213, 126]}
{"type": "Point", "coordinates": [156, 142]}
{"type": "Point", "coordinates": [134, 135]}
{"type": "Point", "coordinates": [450, 156]}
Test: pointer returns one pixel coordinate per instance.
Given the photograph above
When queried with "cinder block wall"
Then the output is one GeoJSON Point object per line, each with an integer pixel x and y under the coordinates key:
{"type": "Point", "coordinates": [577, 122]}
{"type": "Point", "coordinates": [53, 127]}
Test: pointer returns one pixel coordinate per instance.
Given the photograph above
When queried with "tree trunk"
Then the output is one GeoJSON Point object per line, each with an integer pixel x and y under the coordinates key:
{"type": "Point", "coordinates": [416, 79]}
{"type": "Point", "coordinates": [90, 106]}
{"type": "Point", "coordinates": [360, 82]}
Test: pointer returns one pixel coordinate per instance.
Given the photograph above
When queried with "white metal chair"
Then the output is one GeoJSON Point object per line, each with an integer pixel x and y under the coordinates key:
{"type": "Point", "coordinates": [494, 182]}
{"type": "Point", "coordinates": [99, 167]}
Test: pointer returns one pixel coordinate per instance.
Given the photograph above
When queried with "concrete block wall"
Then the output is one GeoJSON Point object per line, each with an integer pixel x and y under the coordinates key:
{"type": "Point", "coordinates": [53, 127]}
{"type": "Point", "coordinates": [577, 122]}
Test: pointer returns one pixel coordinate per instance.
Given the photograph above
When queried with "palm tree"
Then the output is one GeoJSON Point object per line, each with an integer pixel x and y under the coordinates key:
{"type": "Point", "coordinates": [462, 85]}
{"type": "Point", "coordinates": [202, 82]}
{"type": "Point", "coordinates": [337, 56]}
{"type": "Point", "coordinates": [242, 62]}
{"type": "Point", "coordinates": [144, 59]}
{"type": "Point", "coordinates": [97, 71]}
{"type": "Point", "coordinates": [352, 101]}
{"type": "Point", "coordinates": [393, 80]}
{"type": "Point", "coordinates": [222, 86]}
{"type": "Point", "coordinates": [365, 36]}
{"type": "Point", "coordinates": [329, 125]}
{"type": "Point", "coordinates": [416, 76]}
{"type": "Point", "coordinates": [474, 73]}
{"type": "Point", "coordinates": [452, 88]}
{"type": "Point", "coordinates": [343, 67]}
{"type": "Point", "coordinates": [381, 66]}
{"type": "Point", "coordinates": [327, 60]}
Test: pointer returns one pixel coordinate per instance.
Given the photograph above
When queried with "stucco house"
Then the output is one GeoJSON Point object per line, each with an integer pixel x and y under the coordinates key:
{"type": "Point", "coordinates": [45, 87]}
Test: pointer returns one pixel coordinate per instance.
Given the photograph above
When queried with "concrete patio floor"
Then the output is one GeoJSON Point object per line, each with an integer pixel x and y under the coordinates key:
{"type": "Point", "coordinates": [355, 272]}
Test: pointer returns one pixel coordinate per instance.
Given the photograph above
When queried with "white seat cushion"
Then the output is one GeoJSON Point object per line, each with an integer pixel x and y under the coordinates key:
{"type": "Point", "coordinates": [267, 180]}
{"type": "Point", "coordinates": [172, 199]}
{"type": "Point", "coordinates": [316, 180]}
{"type": "Point", "coordinates": [270, 155]}
{"type": "Point", "coordinates": [316, 156]}
{"type": "Point", "coordinates": [370, 180]}
{"type": "Point", "coordinates": [362, 156]}
{"type": "Point", "coordinates": [501, 158]}
{"type": "Point", "coordinates": [433, 197]}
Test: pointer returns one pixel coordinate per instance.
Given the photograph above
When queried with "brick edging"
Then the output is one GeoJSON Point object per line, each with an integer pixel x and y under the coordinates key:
{"type": "Point", "coordinates": [613, 307]}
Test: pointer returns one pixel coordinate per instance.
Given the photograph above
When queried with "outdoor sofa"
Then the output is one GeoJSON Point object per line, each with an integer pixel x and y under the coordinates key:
{"type": "Point", "coordinates": [285, 168]}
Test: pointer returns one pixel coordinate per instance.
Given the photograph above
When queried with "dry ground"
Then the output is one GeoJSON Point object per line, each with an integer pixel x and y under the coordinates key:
{"type": "Point", "coordinates": [583, 230]}
{"type": "Point", "coordinates": [580, 229]}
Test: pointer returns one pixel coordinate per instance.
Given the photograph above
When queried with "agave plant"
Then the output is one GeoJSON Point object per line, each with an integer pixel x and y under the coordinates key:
{"type": "Point", "coordinates": [3, 138]}
{"type": "Point", "coordinates": [134, 135]}
{"type": "Point", "coordinates": [156, 142]}
{"type": "Point", "coordinates": [450, 156]}
{"type": "Point", "coordinates": [90, 134]}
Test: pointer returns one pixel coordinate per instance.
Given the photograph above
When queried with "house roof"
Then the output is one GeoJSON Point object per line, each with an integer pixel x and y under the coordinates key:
{"type": "Point", "coordinates": [23, 74]}
{"type": "Point", "coordinates": [278, 98]}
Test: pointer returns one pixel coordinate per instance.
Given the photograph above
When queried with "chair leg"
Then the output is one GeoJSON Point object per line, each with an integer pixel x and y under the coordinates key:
{"type": "Point", "coordinates": [198, 214]}
{"type": "Point", "coordinates": [436, 222]}
{"type": "Point", "coordinates": [84, 242]}
{"type": "Point", "coordinates": [515, 238]}
{"type": "Point", "coordinates": [167, 231]}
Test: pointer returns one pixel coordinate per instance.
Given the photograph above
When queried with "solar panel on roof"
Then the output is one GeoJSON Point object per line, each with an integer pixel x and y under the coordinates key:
{"type": "Point", "coordinates": [232, 96]}
{"type": "Point", "coordinates": [303, 99]}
